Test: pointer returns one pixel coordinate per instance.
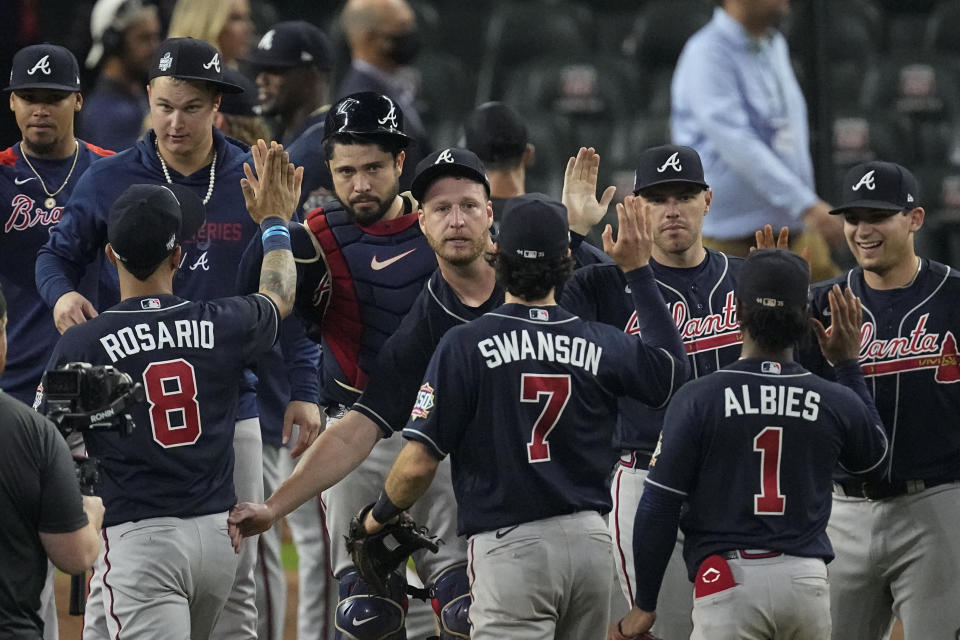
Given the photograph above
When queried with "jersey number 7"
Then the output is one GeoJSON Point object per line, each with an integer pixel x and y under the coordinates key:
{"type": "Point", "coordinates": [769, 502]}
{"type": "Point", "coordinates": [556, 388]}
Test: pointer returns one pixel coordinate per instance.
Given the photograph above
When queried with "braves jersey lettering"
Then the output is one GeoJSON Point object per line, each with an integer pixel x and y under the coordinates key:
{"type": "Point", "coordinates": [705, 333]}
{"type": "Point", "coordinates": [771, 400]}
{"type": "Point", "coordinates": [182, 334]}
{"type": "Point", "coordinates": [24, 215]}
{"type": "Point", "coordinates": [519, 345]}
{"type": "Point", "coordinates": [225, 231]}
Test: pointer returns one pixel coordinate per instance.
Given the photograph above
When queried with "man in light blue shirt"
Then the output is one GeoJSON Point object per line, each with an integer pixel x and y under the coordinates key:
{"type": "Point", "coordinates": [736, 100]}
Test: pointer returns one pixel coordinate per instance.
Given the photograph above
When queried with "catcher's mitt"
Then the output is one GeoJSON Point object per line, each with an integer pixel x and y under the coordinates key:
{"type": "Point", "coordinates": [370, 553]}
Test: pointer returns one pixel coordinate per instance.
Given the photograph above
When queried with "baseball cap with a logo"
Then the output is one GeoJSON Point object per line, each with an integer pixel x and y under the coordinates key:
{"type": "Point", "coordinates": [534, 226]}
{"type": "Point", "coordinates": [448, 162]}
{"type": "Point", "coordinates": [147, 221]}
{"type": "Point", "coordinates": [669, 163]}
{"type": "Point", "coordinates": [44, 66]}
{"type": "Point", "coordinates": [879, 185]}
{"type": "Point", "coordinates": [292, 44]}
{"type": "Point", "coordinates": [191, 59]}
{"type": "Point", "coordinates": [774, 279]}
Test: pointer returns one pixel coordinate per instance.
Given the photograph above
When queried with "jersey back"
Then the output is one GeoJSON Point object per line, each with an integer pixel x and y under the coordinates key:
{"type": "Point", "coordinates": [524, 398]}
{"type": "Point", "coordinates": [189, 356]}
{"type": "Point", "coordinates": [752, 449]}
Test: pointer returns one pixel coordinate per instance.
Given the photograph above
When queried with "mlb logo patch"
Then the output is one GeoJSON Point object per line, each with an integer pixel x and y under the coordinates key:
{"type": "Point", "coordinates": [150, 303]}
{"type": "Point", "coordinates": [421, 409]}
{"type": "Point", "coordinates": [539, 314]}
{"type": "Point", "coordinates": [770, 367]}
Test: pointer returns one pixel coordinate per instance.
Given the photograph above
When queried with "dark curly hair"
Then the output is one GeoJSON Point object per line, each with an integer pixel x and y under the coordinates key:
{"type": "Point", "coordinates": [530, 279]}
{"type": "Point", "coordinates": [775, 329]}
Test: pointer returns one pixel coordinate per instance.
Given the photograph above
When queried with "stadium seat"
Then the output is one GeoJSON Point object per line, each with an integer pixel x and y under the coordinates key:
{"type": "Point", "coordinates": [519, 32]}
{"type": "Point", "coordinates": [446, 88]}
{"type": "Point", "coordinates": [576, 86]}
{"type": "Point", "coordinates": [943, 25]}
{"type": "Point", "coordinates": [914, 85]}
{"type": "Point", "coordinates": [662, 28]}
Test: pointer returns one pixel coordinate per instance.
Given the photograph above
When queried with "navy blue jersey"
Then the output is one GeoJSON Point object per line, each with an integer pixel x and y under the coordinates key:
{"type": "Point", "coordinates": [701, 301]}
{"type": "Point", "coordinates": [354, 286]}
{"type": "Point", "coordinates": [525, 398]}
{"type": "Point", "coordinates": [208, 267]}
{"type": "Point", "coordinates": [392, 388]}
{"type": "Point", "coordinates": [26, 227]}
{"type": "Point", "coordinates": [751, 449]}
{"type": "Point", "coordinates": [306, 150]}
{"type": "Point", "coordinates": [190, 358]}
{"type": "Point", "coordinates": [908, 353]}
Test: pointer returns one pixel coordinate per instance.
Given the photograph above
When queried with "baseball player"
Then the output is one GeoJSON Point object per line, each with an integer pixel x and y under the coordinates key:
{"type": "Point", "coordinates": [524, 398]}
{"type": "Point", "coordinates": [896, 552]}
{"type": "Point", "coordinates": [292, 64]}
{"type": "Point", "coordinates": [37, 176]}
{"type": "Point", "coordinates": [293, 61]}
{"type": "Point", "coordinates": [186, 82]}
{"type": "Point", "coordinates": [361, 264]}
{"type": "Point", "coordinates": [748, 452]}
{"type": "Point", "coordinates": [698, 285]}
{"type": "Point", "coordinates": [167, 566]}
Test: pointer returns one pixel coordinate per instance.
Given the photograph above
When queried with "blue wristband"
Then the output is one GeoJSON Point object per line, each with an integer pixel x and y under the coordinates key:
{"type": "Point", "coordinates": [276, 237]}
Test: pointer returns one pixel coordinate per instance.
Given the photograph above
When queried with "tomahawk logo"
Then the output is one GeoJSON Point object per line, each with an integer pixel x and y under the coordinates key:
{"type": "Point", "coordinates": [391, 117]}
{"type": "Point", "coordinates": [43, 64]}
{"type": "Point", "coordinates": [214, 62]}
{"type": "Point", "coordinates": [866, 181]}
{"type": "Point", "coordinates": [673, 162]}
{"type": "Point", "coordinates": [266, 42]}
{"type": "Point", "coordinates": [446, 156]}
{"type": "Point", "coordinates": [918, 349]}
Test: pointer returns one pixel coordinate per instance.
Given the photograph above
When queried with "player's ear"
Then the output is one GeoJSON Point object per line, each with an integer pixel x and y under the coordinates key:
{"type": "Point", "coordinates": [111, 256]}
{"type": "Point", "coordinates": [917, 216]}
{"type": "Point", "coordinates": [79, 103]}
{"type": "Point", "coordinates": [528, 154]}
{"type": "Point", "coordinates": [11, 101]}
{"type": "Point", "coordinates": [400, 158]}
{"type": "Point", "coordinates": [708, 198]}
{"type": "Point", "coordinates": [175, 257]}
{"type": "Point", "coordinates": [489, 214]}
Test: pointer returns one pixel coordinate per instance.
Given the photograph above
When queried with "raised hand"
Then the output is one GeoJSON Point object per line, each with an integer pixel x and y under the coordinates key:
{"type": "Point", "coordinates": [842, 341]}
{"type": "Point", "coordinates": [634, 238]}
{"type": "Point", "coordinates": [580, 191]}
{"type": "Point", "coordinates": [274, 190]}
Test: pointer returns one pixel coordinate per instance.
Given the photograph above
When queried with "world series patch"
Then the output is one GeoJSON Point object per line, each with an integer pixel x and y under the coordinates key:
{"type": "Point", "coordinates": [421, 409]}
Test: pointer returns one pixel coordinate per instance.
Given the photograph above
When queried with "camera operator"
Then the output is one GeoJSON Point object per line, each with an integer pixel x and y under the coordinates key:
{"type": "Point", "coordinates": [44, 515]}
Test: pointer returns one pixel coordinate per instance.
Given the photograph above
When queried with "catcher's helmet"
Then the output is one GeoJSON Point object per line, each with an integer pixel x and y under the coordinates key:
{"type": "Point", "coordinates": [366, 114]}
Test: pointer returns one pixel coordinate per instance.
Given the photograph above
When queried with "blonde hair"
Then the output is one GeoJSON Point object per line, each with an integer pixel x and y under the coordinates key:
{"type": "Point", "coordinates": [201, 19]}
{"type": "Point", "coordinates": [247, 129]}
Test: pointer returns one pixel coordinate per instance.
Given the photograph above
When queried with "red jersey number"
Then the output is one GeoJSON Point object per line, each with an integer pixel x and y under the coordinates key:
{"type": "Point", "coordinates": [171, 389]}
{"type": "Point", "coordinates": [556, 389]}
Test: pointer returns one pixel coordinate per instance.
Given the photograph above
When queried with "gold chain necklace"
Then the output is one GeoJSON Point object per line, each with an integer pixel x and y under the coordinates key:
{"type": "Point", "coordinates": [51, 202]}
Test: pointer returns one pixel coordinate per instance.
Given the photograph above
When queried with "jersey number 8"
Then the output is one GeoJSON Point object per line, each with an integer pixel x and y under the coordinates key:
{"type": "Point", "coordinates": [171, 389]}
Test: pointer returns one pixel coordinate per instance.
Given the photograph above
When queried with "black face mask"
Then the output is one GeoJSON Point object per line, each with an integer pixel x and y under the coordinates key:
{"type": "Point", "coordinates": [404, 47]}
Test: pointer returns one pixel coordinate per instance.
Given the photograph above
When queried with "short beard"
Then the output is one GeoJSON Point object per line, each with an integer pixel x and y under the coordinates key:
{"type": "Point", "coordinates": [459, 260]}
{"type": "Point", "coordinates": [41, 148]}
{"type": "Point", "coordinates": [366, 219]}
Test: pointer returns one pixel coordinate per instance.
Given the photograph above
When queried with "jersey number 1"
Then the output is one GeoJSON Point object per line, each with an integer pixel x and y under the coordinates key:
{"type": "Point", "coordinates": [171, 389]}
{"type": "Point", "coordinates": [557, 390]}
{"type": "Point", "coordinates": [769, 502]}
